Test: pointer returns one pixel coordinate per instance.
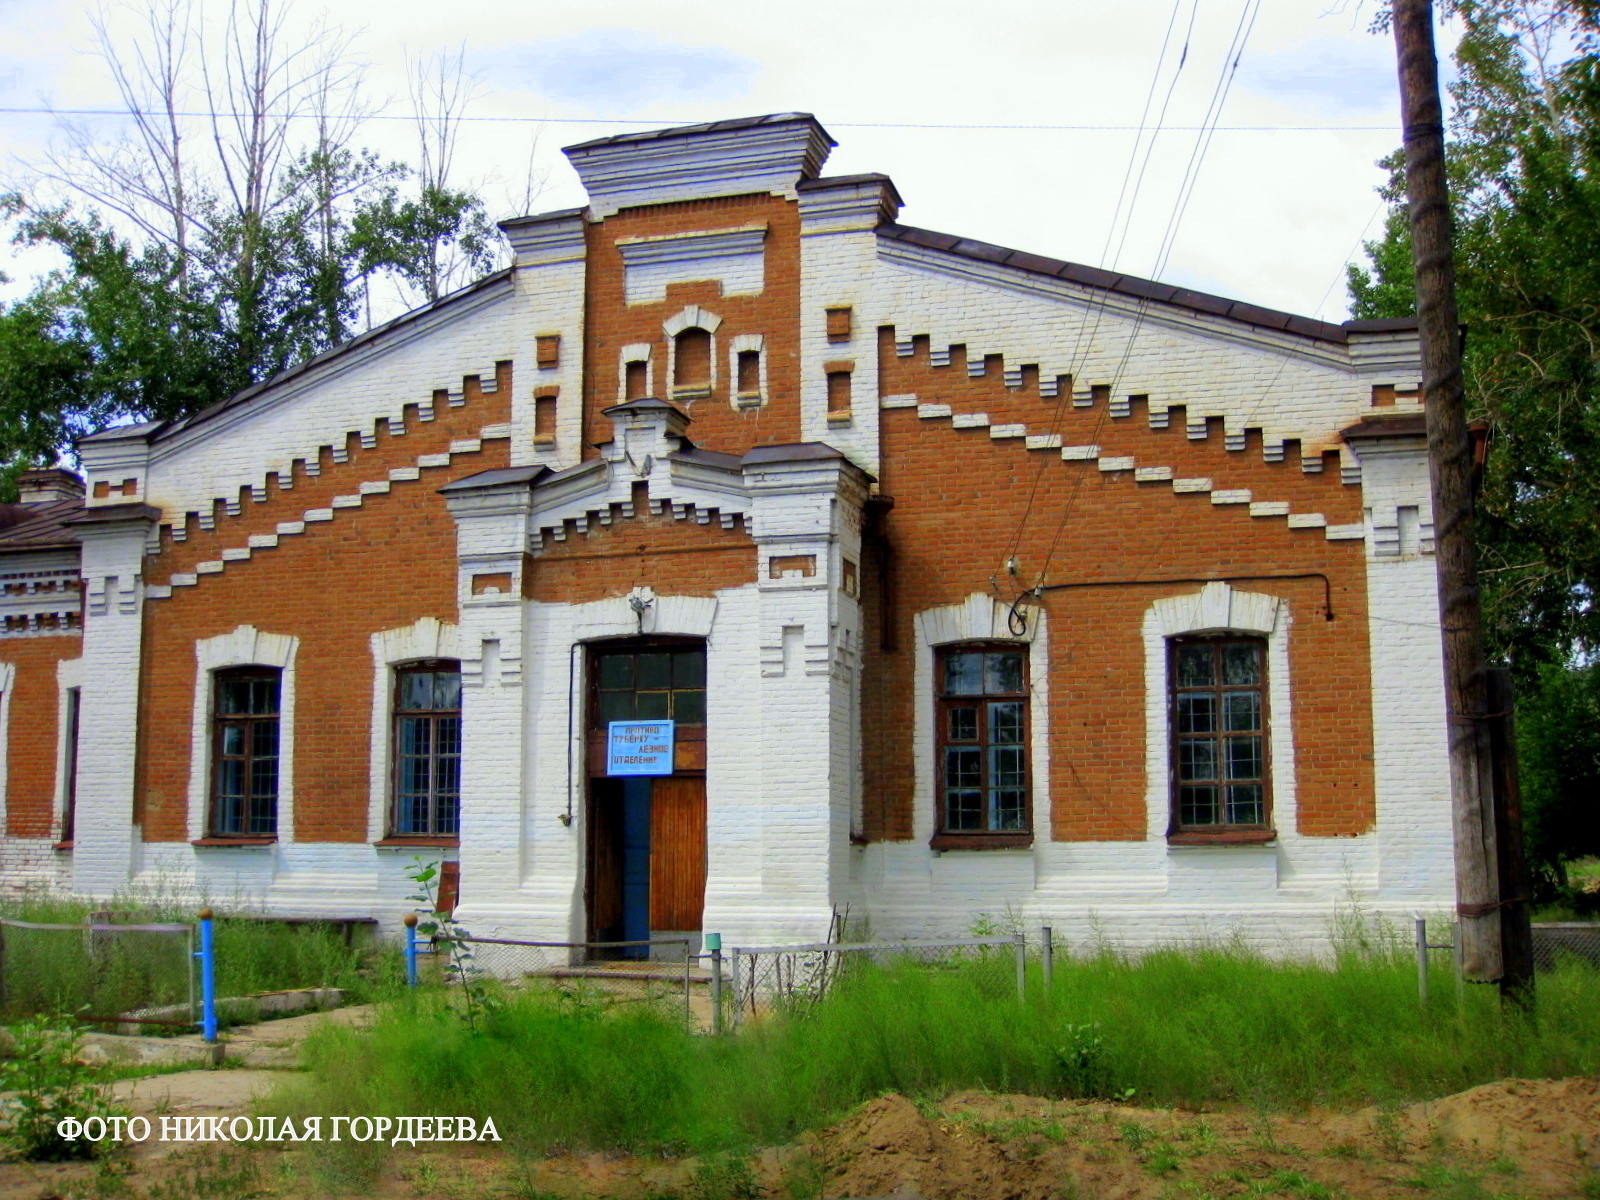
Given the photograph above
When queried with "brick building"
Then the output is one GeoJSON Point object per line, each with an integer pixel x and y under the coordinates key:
{"type": "Point", "coordinates": [972, 582]}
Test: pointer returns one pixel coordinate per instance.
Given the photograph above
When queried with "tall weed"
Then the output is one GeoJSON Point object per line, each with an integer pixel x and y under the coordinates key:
{"type": "Point", "coordinates": [1216, 1023]}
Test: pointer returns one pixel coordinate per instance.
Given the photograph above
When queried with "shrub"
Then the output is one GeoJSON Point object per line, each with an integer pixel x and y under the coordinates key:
{"type": "Point", "coordinates": [48, 1085]}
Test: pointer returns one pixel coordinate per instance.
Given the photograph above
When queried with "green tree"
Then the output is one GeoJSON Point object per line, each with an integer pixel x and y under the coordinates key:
{"type": "Point", "coordinates": [1524, 167]}
{"type": "Point", "coordinates": [204, 255]}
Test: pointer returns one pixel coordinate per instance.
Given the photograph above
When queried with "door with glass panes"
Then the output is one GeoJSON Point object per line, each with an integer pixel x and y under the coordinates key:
{"type": "Point", "coordinates": [646, 875]}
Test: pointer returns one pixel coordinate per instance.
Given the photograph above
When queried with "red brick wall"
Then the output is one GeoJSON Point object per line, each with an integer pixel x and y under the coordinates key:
{"type": "Point", "coordinates": [676, 557]}
{"type": "Point", "coordinates": [381, 566]}
{"type": "Point", "coordinates": [337, 479]}
{"type": "Point", "coordinates": [31, 732]}
{"type": "Point", "coordinates": [959, 497]}
{"type": "Point", "coordinates": [775, 314]}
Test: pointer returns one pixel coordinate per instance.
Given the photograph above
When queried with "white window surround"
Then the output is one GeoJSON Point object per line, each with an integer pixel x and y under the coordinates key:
{"type": "Point", "coordinates": [1218, 608]}
{"type": "Point", "coordinates": [424, 639]}
{"type": "Point", "coordinates": [246, 646]}
{"type": "Point", "coordinates": [980, 618]}
{"type": "Point", "coordinates": [69, 677]}
{"type": "Point", "coordinates": [8, 676]}
{"type": "Point", "coordinates": [631, 353]}
{"type": "Point", "coordinates": [736, 346]}
{"type": "Point", "coordinates": [692, 317]}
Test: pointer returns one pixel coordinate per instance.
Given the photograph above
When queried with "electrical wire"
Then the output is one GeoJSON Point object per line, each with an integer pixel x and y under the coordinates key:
{"type": "Point", "coordinates": [668, 123]}
{"type": "Point", "coordinates": [1230, 67]}
{"type": "Point", "coordinates": [1064, 394]}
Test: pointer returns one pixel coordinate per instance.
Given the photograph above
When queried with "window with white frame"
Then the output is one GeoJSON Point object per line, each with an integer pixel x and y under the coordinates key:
{"type": "Point", "coordinates": [1217, 685]}
{"type": "Point", "coordinates": [983, 739]}
{"type": "Point", "coordinates": [244, 762]}
{"type": "Point", "coordinates": [427, 749]}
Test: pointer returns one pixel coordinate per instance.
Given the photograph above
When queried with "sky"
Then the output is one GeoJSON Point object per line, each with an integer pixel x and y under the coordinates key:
{"type": "Point", "coordinates": [1010, 121]}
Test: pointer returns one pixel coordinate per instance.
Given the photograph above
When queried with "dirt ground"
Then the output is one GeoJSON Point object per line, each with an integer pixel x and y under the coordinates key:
{"type": "Point", "coordinates": [1514, 1138]}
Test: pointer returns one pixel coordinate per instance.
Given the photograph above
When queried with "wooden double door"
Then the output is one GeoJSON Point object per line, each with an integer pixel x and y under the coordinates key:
{"type": "Point", "coordinates": [646, 873]}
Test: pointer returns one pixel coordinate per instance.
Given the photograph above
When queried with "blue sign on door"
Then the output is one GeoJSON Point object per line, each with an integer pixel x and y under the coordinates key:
{"type": "Point", "coordinates": [639, 748]}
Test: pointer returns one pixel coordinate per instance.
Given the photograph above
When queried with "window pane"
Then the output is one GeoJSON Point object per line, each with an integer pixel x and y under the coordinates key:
{"type": "Point", "coordinates": [447, 690]}
{"type": "Point", "coordinates": [1008, 810]}
{"type": "Point", "coordinates": [263, 739]}
{"type": "Point", "coordinates": [230, 779]}
{"type": "Point", "coordinates": [963, 674]}
{"type": "Point", "coordinates": [963, 768]}
{"type": "Point", "coordinates": [1241, 663]}
{"type": "Point", "coordinates": [1197, 713]}
{"type": "Point", "coordinates": [447, 813]}
{"type": "Point", "coordinates": [412, 777]}
{"type": "Point", "coordinates": [963, 810]}
{"type": "Point", "coordinates": [688, 668]}
{"type": "Point", "coordinates": [1005, 766]}
{"type": "Point", "coordinates": [653, 706]}
{"type": "Point", "coordinates": [1197, 759]}
{"type": "Point", "coordinates": [1242, 712]}
{"type": "Point", "coordinates": [228, 815]}
{"type": "Point", "coordinates": [1002, 672]}
{"type": "Point", "coordinates": [616, 706]}
{"type": "Point", "coordinates": [416, 690]}
{"type": "Point", "coordinates": [264, 777]}
{"type": "Point", "coordinates": [655, 671]}
{"type": "Point", "coordinates": [1197, 805]}
{"type": "Point", "coordinates": [1005, 723]}
{"type": "Point", "coordinates": [963, 724]}
{"type": "Point", "coordinates": [413, 735]}
{"type": "Point", "coordinates": [689, 708]}
{"type": "Point", "coordinates": [1244, 758]}
{"type": "Point", "coordinates": [264, 696]}
{"type": "Point", "coordinates": [1194, 666]}
{"type": "Point", "coordinates": [232, 739]}
{"type": "Point", "coordinates": [1246, 805]}
{"type": "Point", "coordinates": [616, 671]}
{"type": "Point", "coordinates": [233, 696]}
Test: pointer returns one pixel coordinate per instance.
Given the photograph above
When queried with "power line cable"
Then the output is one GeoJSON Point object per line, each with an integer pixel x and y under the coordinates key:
{"type": "Point", "coordinates": [1229, 69]}
{"type": "Point", "coordinates": [1064, 394]}
{"type": "Point", "coordinates": [667, 123]}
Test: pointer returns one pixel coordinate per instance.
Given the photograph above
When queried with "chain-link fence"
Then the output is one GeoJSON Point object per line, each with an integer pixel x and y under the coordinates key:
{"type": "Point", "coordinates": [1554, 939]}
{"type": "Point", "coordinates": [793, 977]}
{"type": "Point", "coordinates": [590, 970]}
{"type": "Point", "coordinates": [132, 975]}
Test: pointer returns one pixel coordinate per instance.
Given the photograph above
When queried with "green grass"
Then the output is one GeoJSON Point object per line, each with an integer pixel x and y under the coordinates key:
{"type": "Point", "coordinates": [69, 971]}
{"type": "Point", "coordinates": [1177, 1027]}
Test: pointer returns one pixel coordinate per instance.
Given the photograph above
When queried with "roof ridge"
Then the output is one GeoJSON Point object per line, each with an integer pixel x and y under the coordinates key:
{"type": "Point", "coordinates": [1139, 287]}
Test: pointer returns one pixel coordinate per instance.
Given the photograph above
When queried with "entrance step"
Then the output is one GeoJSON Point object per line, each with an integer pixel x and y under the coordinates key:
{"type": "Point", "coordinates": [666, 973]}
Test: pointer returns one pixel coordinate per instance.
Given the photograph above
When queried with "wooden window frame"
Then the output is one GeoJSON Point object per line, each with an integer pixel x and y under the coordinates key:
{"type": "Point", "coordinates": [250, 828]}
{"type": "Point", "coordinates": [433, 835]}
{"type": "Point", "coordinates": [944, 837]}
{"type": "Point", "coordinates": [689, 750]}
{"type": "Point", "coordinates": [1220, 832]}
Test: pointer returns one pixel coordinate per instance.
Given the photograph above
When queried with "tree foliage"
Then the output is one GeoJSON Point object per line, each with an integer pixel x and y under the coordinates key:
{"type": "Point", "coordinates": [202, 255]}
{"type": "Point", "coordinates": [1524, 170]}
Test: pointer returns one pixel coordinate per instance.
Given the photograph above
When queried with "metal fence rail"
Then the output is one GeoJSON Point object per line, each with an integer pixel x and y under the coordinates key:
{"type": "Point", "coordinates": [99, 972]}
{"type": "Point", "coordinates": [790, 977]}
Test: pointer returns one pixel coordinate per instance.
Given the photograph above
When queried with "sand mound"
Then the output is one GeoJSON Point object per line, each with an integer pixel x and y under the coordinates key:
{"type": "Point", "coordinates": [889, 1148]}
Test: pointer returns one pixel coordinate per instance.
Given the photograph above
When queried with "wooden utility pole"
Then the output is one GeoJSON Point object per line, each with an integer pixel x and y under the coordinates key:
{"type": "Point", "coordinates": [1450, 473]}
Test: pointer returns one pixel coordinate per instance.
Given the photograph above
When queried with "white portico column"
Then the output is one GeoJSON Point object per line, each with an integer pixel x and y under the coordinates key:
{"type": "Point", "coordinates": [104, 837]}
{"type": "Point", "coordinates": [806, 502]}
{"type": "Point", "coordinates": [491, 514]}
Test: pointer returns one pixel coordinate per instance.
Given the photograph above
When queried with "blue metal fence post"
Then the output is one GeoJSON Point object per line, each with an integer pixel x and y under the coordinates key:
{"type": "Point", "coordinates": [208, 978]}
{"type": "Point", "coordinates": [410, 920]}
